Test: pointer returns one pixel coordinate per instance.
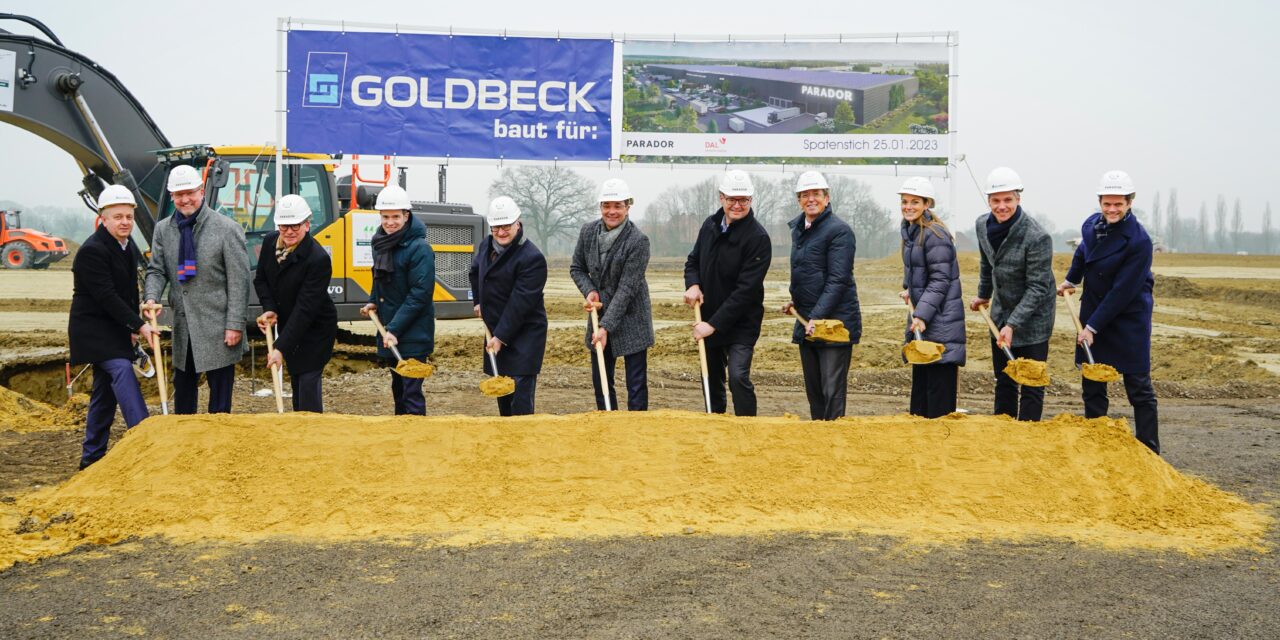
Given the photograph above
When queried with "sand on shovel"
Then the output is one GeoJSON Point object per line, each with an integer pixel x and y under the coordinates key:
{"type": "Point", "coordinates": [829, 331]}
{"type": "Point", "coordinates": [1032, 373]}
{"type": "Point", "coordinates": [923, 351]}
{"type": "Point", "coordinates": [414, 368]}
{"type": "Point", "coordinates": [498, 386]}
{"type": "Point", "coordinates": [1099, 372]}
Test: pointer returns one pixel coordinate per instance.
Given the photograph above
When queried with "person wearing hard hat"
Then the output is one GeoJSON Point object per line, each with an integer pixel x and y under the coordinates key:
{"type": "Point", "coordinates": [508, 275]}
{"type": "Point", "coordinates": [104, 325]}
{"type": "Point", "coordinates": [404, 284]}
{"type": "Point", "coordinates": [200, 256]}
{"type": "Point", "coordinates": [822, 288]}
{"type": "Point", "coordinates": [1016, 278]}
{"type": "Point", "coordinates": [931, 282]}
{"type": "Point", "coordinates": [725, 274]}
{"type": "Point", "coordinates": [1113, 263]}
{"type": "Point", "coordinates": [608, 265]}
{"type": "Point", "coordinates": [293, 287]}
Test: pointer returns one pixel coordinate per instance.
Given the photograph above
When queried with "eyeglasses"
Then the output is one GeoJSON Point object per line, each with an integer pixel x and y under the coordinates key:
{"type": "Point", "coordinates": [738, 202]}
{"type": "Point", "coordinates": [291, 227]}
{"type": "Point", "coordinates": [502, 227]}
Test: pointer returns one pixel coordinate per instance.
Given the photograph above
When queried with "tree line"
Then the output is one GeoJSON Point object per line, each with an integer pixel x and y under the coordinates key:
{"type": "Point", "coordinates": [1223, 231]}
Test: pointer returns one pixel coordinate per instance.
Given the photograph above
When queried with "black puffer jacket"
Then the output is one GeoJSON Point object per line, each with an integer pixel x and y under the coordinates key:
{"type": "Point", "coordinates": [822, 285]}
{"type": "Point", "coordinates": [931, 274]}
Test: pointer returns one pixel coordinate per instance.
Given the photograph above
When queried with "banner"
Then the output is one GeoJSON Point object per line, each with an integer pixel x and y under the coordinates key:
{"type": "Point", "coordinates": [449, 96]}
{"type": "Point", "coordinates": [795, 101]}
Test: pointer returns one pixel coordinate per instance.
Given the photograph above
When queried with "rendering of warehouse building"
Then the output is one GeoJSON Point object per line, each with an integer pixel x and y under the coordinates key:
{"type": "Point", "coordinates": [812, 91]}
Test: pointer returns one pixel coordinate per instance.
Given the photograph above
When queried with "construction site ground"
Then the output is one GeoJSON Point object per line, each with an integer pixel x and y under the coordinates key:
{"type": "Point", "coordinates": [1216, 353]}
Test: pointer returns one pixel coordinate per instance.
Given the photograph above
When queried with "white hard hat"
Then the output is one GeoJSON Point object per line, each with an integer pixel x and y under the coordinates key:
{"type": "Point", "coordinates": [392, 198]}
{"type": "Point", "coordinates": [917, 186]}
{"type": "Point", "coordinates": [1002, 179]}
{"type": "Point", "coordinates": [737, 183]}
{"type": "Point", "coordinates": [115, 194]}
{"type": "Point", "coordinates": [1116, 183]}
{"type": "Point", "coordinates": [614, 190]}
{"type": "Point", "coordinates": [184, 178]}
{"type": "Point", "coordinates": [810, 180]}
{"type": "Point", "coordinates": [502, 211]}
{"type": "Point", "coordinates": [292, 209]}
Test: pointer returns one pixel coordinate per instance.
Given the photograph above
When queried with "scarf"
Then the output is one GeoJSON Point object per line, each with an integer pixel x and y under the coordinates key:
{"type": "Point", "coordinates": [1101, 228]}
{"type": "Point", "coordinates": [606, 237]}
{"type": "Point", "coordinates": [283, 250]}
{"type": "Point", "coordinates": [384, 264]}
{"type": "Point", "coordinates": [187, 246]}
{"type": "Point", "coordinates": [997, 231]}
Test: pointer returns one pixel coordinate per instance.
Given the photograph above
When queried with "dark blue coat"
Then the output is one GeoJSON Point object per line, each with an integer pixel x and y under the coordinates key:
{"type": "Point", "coordinates": [1115, 272]}
{"type": "Point", "coordinates": [104, 301]}
{"type": "Point", "coordinates": [509, 292]}
{"type": "Point", "coordinates": [406, 302]}
{"type": "Point", "coordinates": [931, 274]}
{"type": "Point", "coordinates": [822, 285]}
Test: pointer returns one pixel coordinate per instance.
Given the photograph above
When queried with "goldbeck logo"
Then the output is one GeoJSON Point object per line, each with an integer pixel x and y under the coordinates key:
{"type": "Point", "coordinates": [326, 72]}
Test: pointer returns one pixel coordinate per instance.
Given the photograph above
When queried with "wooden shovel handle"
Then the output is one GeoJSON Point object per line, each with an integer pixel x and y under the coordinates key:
{"type": "Point", "coordinates": [1071, 306]}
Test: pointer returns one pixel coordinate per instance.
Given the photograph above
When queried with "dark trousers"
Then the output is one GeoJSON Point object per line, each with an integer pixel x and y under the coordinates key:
{"type": "Point", "coordinates": [114, 384]}
{"type": "Point", "coordinates": [407, 393]}
{"type": "Point", "coordinates": [735, 359]}
{"type": "Point", "coordinates": [1142, 396]}
{"type": "Point", "coordinates": [1031, 403]}
{"type": "Point", "coordinates": [307, 394]}
{"type": "Point", "coordinates": [186, 385]}
{"type": "Point", "coordinates": [826, 379]}
{"type": "Point", "coordinates": [933, 389]}
{"type": "Point", "coordinates": [637, 375]}
{"type": "Point", "coordinates": [519, 403]}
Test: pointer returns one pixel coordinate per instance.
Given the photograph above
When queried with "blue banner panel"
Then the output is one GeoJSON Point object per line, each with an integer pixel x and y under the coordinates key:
{"type": "Point", "coordinates": [449, 96]}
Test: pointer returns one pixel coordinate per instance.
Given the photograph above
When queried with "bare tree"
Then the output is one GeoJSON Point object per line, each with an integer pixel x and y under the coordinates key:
{"type": "Point", "coordinates": [873, 225]}
{"type": "Point", "coordinates": [673, 218]}
{"type": "Point", "coordinates": [1237, 227]}
{"type": "Point", "coordinates": [1266, 229]}
{"type": "Point", "coordinates": [1220, 225]}
{"type": "Point", "coordinates": [1174, 234]}
{"type": "Point", "coordinates": [1202, 229]}
{"type": "Point", "coordinates": [1156, 223]}
{"type": "Point", "coordinates": [554, 202]}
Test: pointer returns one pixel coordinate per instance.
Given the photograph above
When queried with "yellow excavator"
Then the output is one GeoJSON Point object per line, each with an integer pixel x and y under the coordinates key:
{"type": "Point", "coordinates": [71, 101]}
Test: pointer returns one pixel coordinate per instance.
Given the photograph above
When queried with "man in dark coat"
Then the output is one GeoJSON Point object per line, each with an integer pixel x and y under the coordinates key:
{"type": "Point", "coordinates": [931, 282]}
{"type": "Point", "coordinates": [725, 274]}
{"type": "Point", "coordinates": [104, 320]}
{"type": "Point", "coordinates": [404, 283]}
{"type": "Point", "coordinates": [822, 288]}
{"type": "Point", "coordinates": [293, 286]}
{"type": "Point", "coordinates": [508, 275]}
{"type": "Point", "coordinates": [608, 266]}
{"type": "Point", "coordinates": [1016, 279]}
{"type": "Point", "coordinates": [1113, 262]}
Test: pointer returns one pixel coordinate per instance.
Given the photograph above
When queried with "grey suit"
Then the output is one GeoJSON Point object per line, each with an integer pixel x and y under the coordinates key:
{"type": "Point", "coordinates": [1018, 279]}
{"type": "Point", "coordinates": [627, 315]}
{"type": "Point", "coordinates": [216, 300]}
{"type": "Point", "coordinates": [1020, 275]}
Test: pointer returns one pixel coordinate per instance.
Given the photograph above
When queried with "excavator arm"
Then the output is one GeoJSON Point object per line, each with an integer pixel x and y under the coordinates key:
{"type": "Point", "coordinates": [71, 101]}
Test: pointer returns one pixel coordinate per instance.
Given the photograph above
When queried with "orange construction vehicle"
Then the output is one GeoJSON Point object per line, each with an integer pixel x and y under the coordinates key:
{"type": "Point", "coordinates": [27, 248]}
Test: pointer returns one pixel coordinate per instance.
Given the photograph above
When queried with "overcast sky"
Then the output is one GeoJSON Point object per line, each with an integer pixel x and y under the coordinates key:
{"type": "Point", "coordinates": [1180, 94]}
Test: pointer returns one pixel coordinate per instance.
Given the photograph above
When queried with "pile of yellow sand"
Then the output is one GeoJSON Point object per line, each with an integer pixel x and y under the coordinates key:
{"type": "Point", "coordinates": [22, 414]}
{"type": "Point", "coordinates": [462, 480]}
{"type": "Point", "coordinates": [1100, 372]}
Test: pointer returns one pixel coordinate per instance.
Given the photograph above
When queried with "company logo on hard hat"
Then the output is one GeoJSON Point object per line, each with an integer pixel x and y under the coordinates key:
{"type": "Point", "coordinates": [326, 72]}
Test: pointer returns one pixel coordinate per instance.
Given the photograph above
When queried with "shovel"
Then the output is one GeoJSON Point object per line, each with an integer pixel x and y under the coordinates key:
{"type": "Point", "coordinates": [604, 379]}
{"type": "Point", "coordinates": [1031, 373]}
{"type": "Point", "coordinates": [824, 330]}
{"type": "Point", "coordinates": [497, 386]}
{"type": "Point", "coordinates": [158, 363]}
{"type": "Point", "coordinates": [1090, 370]}
{"type": "Point", "coordinates": [921, 351]}
{"type": "Point", "coordinates": [411, 368]}
{"type": "Point", "coordinates": [277, 376]}
{"type": "Point", "coordinates": [702, 358]}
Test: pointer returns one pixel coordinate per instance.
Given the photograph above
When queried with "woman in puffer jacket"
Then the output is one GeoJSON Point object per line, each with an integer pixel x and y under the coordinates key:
{"type": "Point", "coordinates": [931, 280]}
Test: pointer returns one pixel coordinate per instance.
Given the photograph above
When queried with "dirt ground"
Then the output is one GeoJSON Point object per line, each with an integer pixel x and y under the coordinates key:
{"type": "Point", "coordinates": [1217, 374]}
